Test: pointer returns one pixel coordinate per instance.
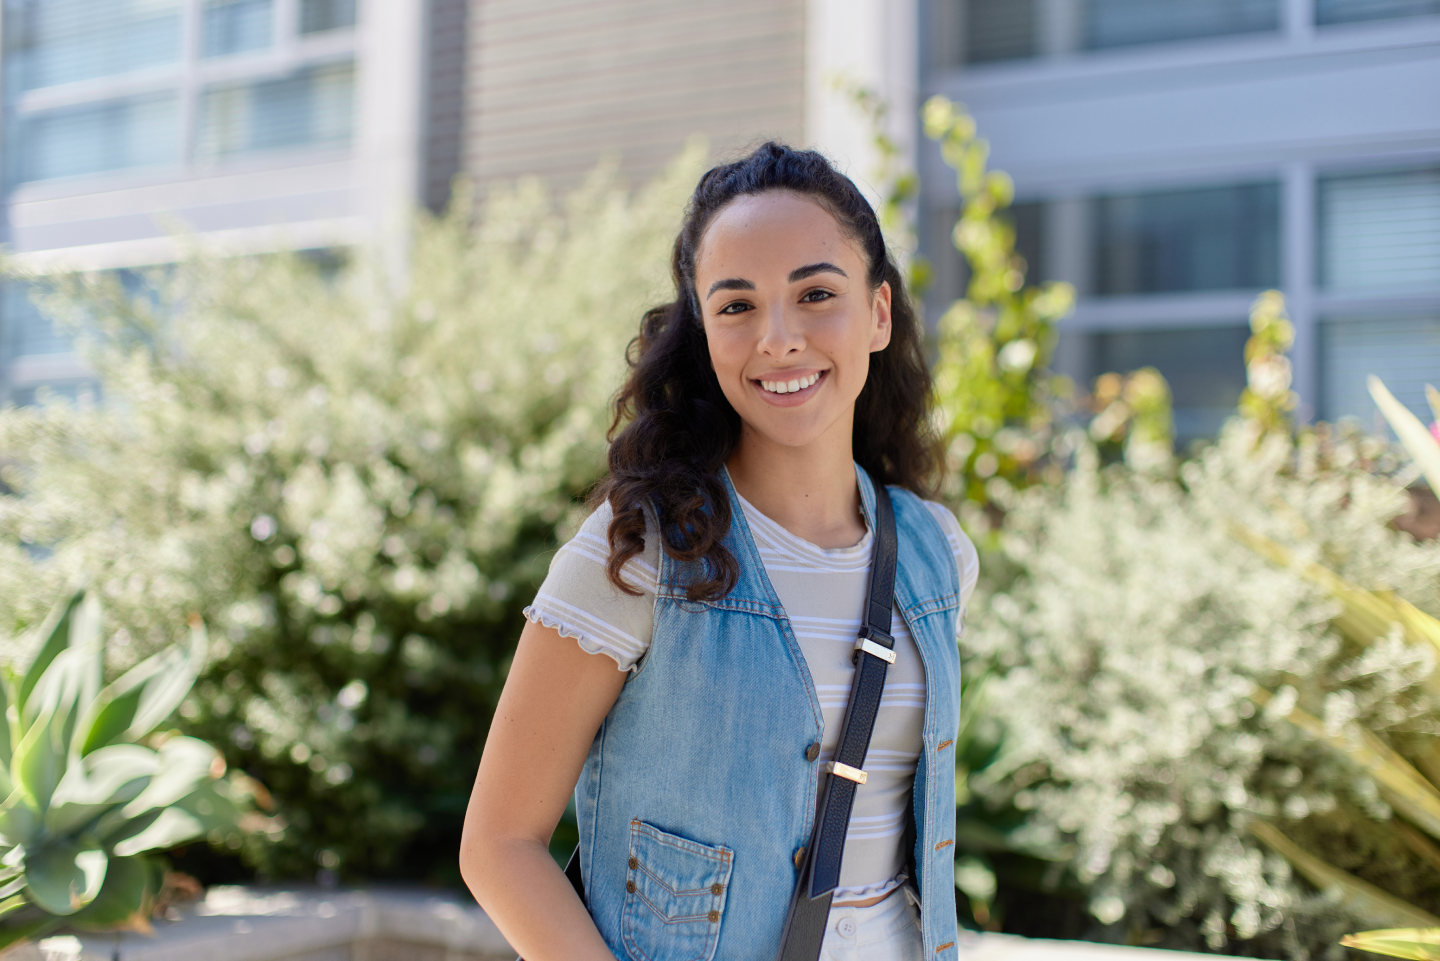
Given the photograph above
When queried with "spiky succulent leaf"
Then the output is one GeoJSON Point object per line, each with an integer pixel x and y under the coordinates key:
{"type": "Point", "coordinates": [19, 822]}
{"type": "Point", "coordinates": [27, 929]}
{"type": "Point", "coordinates": [173, 826]}
{"type": "Point", "coordinates": [1418, 944]}
{"type": "Point", "coordinates": [63, 877]}
{"type": "Point", "coordinates": [184, 764]}
{"type": "Point", "coordinates": [55, 634]}
{"type": "Point", "coordinates": [111, 776]}
{"type": "Point", "coordinates": [39, 761]}
{"type": "Point", "coordinates": [145, 695]}
{"type": "Point", "coordinates": [131, 885]}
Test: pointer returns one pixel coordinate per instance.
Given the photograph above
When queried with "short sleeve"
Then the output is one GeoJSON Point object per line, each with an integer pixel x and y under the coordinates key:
{"type": "Point", "coordinates": [967, 559]}
{"type": "Point", "coordinates": [578, 600]}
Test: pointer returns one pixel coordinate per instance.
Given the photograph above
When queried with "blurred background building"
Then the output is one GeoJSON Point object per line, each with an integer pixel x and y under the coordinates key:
{"type": "Point", "coordinates": [1171, 159]}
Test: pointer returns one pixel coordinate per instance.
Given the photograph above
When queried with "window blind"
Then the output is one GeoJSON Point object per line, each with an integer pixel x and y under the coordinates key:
{"type": "Point", "coordinates": [1124, 23]}
{"type": "Point", "coordinates": [313, 107]}
{"type": "Point", "coordinates": [999, 30]}
{"type": "Point", "coordinates": [61, 41]}
{"type": "Point", "coordinates": [234, 26]}
{"type": "Point", "coordinates": [1351, 11]}
{"type": "Point", "coordinates": [96, 137]}
{"type": "Point", "coordinates": [1380, 231]}
{"type": "Point", "coordinates": [1403, 352]}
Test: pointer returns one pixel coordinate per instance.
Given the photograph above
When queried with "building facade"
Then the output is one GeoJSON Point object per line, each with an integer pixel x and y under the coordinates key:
{"type": "Point", "coordinates": [1171, 160]}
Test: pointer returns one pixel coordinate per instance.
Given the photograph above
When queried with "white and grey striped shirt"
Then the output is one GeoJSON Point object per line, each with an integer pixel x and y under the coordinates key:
{"type": "Point", "coordinates": [823, 591]}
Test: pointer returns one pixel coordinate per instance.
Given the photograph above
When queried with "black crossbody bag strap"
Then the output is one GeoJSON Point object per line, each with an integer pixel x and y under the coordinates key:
{"type": "Point", "coordinates": [874, 653]}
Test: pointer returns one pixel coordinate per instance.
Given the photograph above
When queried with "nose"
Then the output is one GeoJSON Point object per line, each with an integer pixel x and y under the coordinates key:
{"type": "Point", "coordinates": [781, 335]}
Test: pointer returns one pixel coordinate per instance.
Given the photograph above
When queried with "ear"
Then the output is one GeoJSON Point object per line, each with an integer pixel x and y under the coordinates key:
{"type": "Point", "coordinates": [880, 318]}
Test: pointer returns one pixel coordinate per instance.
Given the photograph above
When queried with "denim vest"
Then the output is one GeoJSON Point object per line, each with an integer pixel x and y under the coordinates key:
{"type": "Point", "coordinates": [697, 793]}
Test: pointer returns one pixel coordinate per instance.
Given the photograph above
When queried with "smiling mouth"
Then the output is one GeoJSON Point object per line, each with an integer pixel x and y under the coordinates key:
{"type": "Point", "coordinates": [791, 386]}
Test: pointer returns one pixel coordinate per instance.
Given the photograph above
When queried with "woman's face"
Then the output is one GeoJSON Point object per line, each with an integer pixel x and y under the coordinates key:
{"type": "Point", "coordinates": [789, 315]}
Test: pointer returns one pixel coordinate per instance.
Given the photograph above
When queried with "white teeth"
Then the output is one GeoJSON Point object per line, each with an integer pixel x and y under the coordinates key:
{"type": "Point", "coordinates": [791, 386]}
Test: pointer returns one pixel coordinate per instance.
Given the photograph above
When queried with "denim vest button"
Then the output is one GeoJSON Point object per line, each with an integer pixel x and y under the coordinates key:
{"type": "Point", "coordinates": [630, 886]}
{"type": "Point", "coordinates": [634, 863]}
{"type": "Point", "coordinates": [813, 751]}
{"type": "Point", "coordinates": [717, 889]}
{"type": "Point", "coordinates": [714, 917]}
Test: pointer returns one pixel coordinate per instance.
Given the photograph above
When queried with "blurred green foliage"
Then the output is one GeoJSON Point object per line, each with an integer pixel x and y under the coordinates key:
{"type": "Point", "coordinates": [91, 790]}
{"type": "Point", "coordinates": [996, 396]}
{"type": "Point", "coordinates": [357, 480]}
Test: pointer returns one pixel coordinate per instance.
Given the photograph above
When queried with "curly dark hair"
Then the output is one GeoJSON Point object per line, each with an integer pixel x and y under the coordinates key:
{"type": "Point", "coordinates": [674, 429]}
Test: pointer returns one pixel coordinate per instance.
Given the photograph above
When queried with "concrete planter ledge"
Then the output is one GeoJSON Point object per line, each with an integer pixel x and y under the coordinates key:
{"type": "Point", "coordinates": [400, 924]}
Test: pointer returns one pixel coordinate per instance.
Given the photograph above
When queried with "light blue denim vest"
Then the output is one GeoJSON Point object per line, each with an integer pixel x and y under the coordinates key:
{"type": "Point", "coordinates": [697, 792]}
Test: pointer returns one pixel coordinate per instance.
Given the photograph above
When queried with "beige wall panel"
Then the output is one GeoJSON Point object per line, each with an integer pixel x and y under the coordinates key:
{"type": "Point", "coordinates": [555, 85]}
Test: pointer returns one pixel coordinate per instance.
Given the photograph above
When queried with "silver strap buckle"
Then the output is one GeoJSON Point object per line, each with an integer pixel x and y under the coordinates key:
{"type": "Point", "coordinates": [875, 650]}
{"type": "Point", "coordinates": [846, 771]}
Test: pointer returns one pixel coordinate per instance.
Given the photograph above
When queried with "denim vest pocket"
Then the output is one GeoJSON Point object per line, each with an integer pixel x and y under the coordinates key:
{"type": "Point", "coordinates": [674, 896]}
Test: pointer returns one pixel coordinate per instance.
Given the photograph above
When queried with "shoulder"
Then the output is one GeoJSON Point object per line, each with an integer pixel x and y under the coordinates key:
{"type": "Point", "coordinates": [967, 558]}
{"type": "Point", "coordinates": [592, 543]}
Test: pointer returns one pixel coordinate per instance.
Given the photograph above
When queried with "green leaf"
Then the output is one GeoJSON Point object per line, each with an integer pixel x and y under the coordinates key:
{"type": "Point", "coordinates": [173, 826]}
{"type": "Point", "coordinates": [131, 884]}
{"type": "Point", "coordinates": [39, 762]}
{"type": "Point", "coordinates": [1413, 434]}
{"type": "Point", "coordinates": [62, 878]}
{"type": "Point", "coordinates": [1418, 944]}
{"type": "Point", "coordinates": [55, 631]}
{"type": "Point", "coordinates": [145, 695]}
{"type": "Point", "coordinates": [27, 930]}
{"type": "Point", "coordinates": [112, 775]}
{"type": "Point", "coordinates": [184, 764]}
{"type": "Point", "coordinates": [19, 822]}
{"type": "Point", "coordinates": [1358, 897]}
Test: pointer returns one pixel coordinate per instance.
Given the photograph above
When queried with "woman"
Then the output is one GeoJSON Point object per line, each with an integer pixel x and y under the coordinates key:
{"type": "Point", "coordinates": [725, 572]}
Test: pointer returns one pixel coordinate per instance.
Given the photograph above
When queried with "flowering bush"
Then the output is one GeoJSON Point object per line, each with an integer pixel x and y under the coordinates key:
{"type": "Point", "coordinates": [355, 481]}
{"type": "Point", "coordinates": [1138, 638]}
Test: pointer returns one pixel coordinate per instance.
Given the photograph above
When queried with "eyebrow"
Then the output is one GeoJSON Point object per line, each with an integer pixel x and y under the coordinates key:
{"type": "Point", "coordinates": [799, 273]}
{"type": "Point", "coordinates": [810, 270]}
{"type": "Point", "coordinates": [732, 283]}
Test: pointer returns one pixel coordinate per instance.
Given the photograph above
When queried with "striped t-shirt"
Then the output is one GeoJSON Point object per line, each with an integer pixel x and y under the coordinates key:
{"type": "Point", "coordinates": [823, 592]}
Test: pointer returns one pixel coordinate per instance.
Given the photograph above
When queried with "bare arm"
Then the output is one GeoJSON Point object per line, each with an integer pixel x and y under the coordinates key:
{"type": "Point", "coordinates": [555, 697]}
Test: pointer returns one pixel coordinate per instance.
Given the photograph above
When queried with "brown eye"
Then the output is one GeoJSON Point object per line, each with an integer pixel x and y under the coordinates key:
{"type": "Point", "coordinates": [815, 296]}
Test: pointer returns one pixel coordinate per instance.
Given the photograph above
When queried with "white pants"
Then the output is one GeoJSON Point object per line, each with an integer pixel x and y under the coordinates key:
{"type": "Point", "coordinates": [888, 931]}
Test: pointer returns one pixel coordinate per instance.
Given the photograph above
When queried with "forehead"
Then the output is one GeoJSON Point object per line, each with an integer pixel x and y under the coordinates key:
{"type": "Point", "coordinates": [778, 228]}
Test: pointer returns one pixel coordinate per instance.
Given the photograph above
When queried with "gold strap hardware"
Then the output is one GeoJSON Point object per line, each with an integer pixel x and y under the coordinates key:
{"type": "Point", "coordinates": [846, 771]}
{"type": "Point", "coordinates": [876, 650]}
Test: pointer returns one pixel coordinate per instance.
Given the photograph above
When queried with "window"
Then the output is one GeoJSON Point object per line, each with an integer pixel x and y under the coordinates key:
{"type": "Point", "coordinates": [999, 30]}
{"type": "Point", "coordinates": [1380, 232]}
{"type": "Point", "coordinates": [171, 111]}
{"type": "Point", "coordinates": [234, 26]}
{"type": "Point", "coordinates": [1124, 23]}
{"type": "Point", "coordinates": [1351, 11]}
{"type": "Point", "coordinates": [51, 42]}
{"type": "Point", "coordinates": [1403, 352]}
{"type": "Point", "coordinates": [318, 15]}
{"type": "Point", "coordinates": [96, 137]}
{"type": "Point", "coordinates": [1205, 368]}
{"type": "Point", "coordinates": [312, 108]}
{"type": "Point", "coordinates": [1213, 238]}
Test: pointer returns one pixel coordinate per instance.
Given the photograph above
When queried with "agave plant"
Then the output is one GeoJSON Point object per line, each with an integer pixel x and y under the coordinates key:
{"type": "Point", "coordinates": [90, 789]}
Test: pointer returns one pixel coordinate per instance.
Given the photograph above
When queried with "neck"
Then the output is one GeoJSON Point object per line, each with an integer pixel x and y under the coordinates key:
{"type": "Point", "coordinates": [810, 491]}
